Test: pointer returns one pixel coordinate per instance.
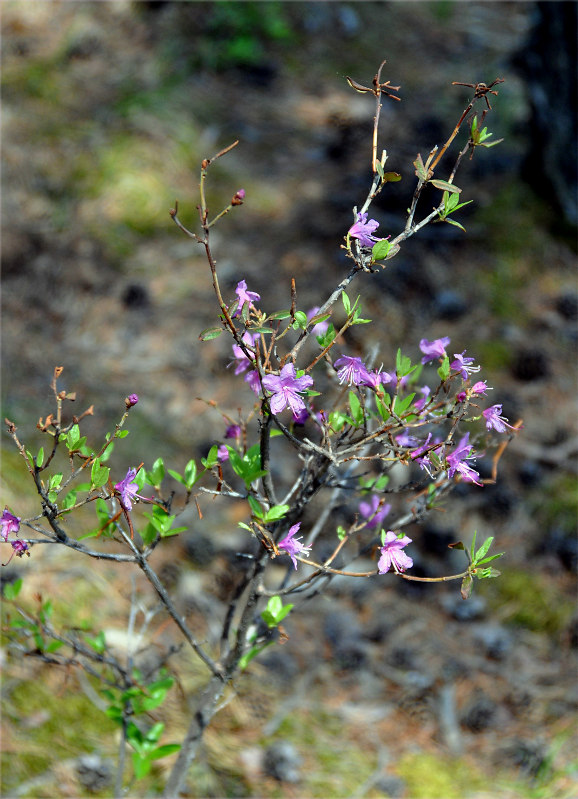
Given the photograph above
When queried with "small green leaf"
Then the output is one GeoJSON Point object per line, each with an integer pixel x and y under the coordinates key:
{"type": "Point", "coordinates": [444, 369]}
{"type": "Point", "coordinates": [40, 458]}
{"type": "Point", "coordinates": [280, 315]}
{"type": "Point", "coordinates": [98, 474]}
{"type": "Point", "coordinates": [163, 751]}
{"type": "Point", "coordinates": [209, 333]}
{"type": "Point", "coordinates": [391, 177]}
{"type": "Point", "coordinates": [483, 549]}
{"type": "Point", "coordinates": [255, 506]}
{"type": "Point", "coordinates": [455, 224]}
{"type": "Point", "coordinates": [445, 186]}
{"type": "Point", "coordinates": [355, 408]}
{"type": "Point", "coordinates": [419, 168]}
{"type": "Point", "coordinates": [380, 249]}
{"type": "Point", "coordinates": [401, 405]}
{"type": "Point", "coordinates": [176, 476]}
{"type": "Point", "coordinates": [156, 474]}
{"type": "Point", "coordinates": [11, 590]}
{"type": "Point", "coordinates": [300, 320]}
{"type": "Point", "coordinates": [190, 473]}
{"type": "Point", "coordinates": [212, 458]}
{"type": "Point", "coordinates": [346, 302]}
{"type": "Point", "coordinates": [275, 513]}
{"type": "Point", "coordinates": [466, 588]}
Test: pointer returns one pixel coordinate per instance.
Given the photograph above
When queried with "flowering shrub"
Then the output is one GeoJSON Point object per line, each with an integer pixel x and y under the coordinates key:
{"type": "Point", "coordinates": [420, 418]}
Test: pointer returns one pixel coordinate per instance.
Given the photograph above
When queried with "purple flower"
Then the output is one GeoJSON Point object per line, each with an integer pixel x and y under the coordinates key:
{"type": "Point", "coordinates": [457, 462]}
{"type": "Point", "coordinates": [321, 327]}
{"type": "Point", "coordinates": [391, 554]}
{"type": "Point", "coordinates": [353, 371]}
{"type": "Point", "coordinates": [252, 378]}
{"type": "Point", "coordinates": [233, 431]}
{"type": "Point", "coordinates": [405, 439]}
{"type": "Point", "coordinates": [131, 400]}
{"type": "Point", "coordinates": [420, 404]}
{"type": "Point", "coordinates": [301, 417]}
{"type": "Point", "coordinates": [480, 388]}
{"type": "Point", "coordinates": [238, 197]}
{"type": "Point", "coordinates": [463, 365]}
{"type": "Point", "coordinates": [243, 362]}
{"type": "Point", "coordinates": [245, 296]}
{"type": "Point", "coordinates": [293, 546]}
{"type": "Point", "coordinates": [372, 511]}
{"type": "Point", "coordinates": [127, 490]}
{"type": "Point", "coordinates": [20, 547]}
{"type": "Point", "coordinates": [363, 230]}
{"type": "Point", "coordinates": [10, 524]}
{"type": "Point", "coordinates": [433, 349]}
{"type": "Point", "coordinates": [222, 453]}
{"type": "Point", "coordinates": [284, 388]}
{"type": "Point", "coordinates": [494, 420]}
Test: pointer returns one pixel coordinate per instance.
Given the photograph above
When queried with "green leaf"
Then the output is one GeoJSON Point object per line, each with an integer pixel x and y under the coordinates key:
{"type": "Point", "coordinates": [355, 408]}
{"type": "Point", "coordinates": [255, 506]}
{"type": "Point", "coordinates": [97, 642]}
{"type": "Point", "coordinates": [280, 315]}
{"type": "Point", "coordinates": [252, 653]}
{"type": "Point", "coordinates": [300, 320]}
{"type": "Point", "coordinates": [383, 407]}
{"type": "Point", "coordinates": [209, 333]}
{"type": "Point", "coordinates": [190, 474]}
{"type": "Point", "coordinates": [483, 549]}
{"type": "Point", "coordinates": [341, 532]}
{"type": "Point", "coordinates": [156, 474]}
{"type": "Point", "coordinates": [489, 558]}
{"type": "Point", "coordinates": [275, 612]}
{"type": "Point", "coordinates": [315, 320]}
{"type": "Point", "coordinates": [346, 302]}
{"type": "Point", "coordinates": [445, 186]}
{"type": "Point", "coordinates": [444, 369]}
{"type": "Point", "coordinates": [107, 452]}
{"type": "Point", "coordinates": [455, 224]}
{"type": "Point", "coordinates": [391, 177]}
{"type": "Point", "coordinates": [163, 751]}
{"type": "Point", "coordinates": [275, 513]}
{"type": "Point", "coordinates": [176, 476]}
{"type": "Point", "coordinates": [40, 458]}
{"type": "Point", "coordinates": [141, 765]}
{"type": "Point", "coordinates": [98, 474]}
{"type": "Point", "coordinates": [380, 249]}
{"type": "Point", "coordinates": [419, 168]}
{"type": "Point", "coordinates": [326, 338]}
{"type": "Point", "coordinates": [73, 437]}
{"type": "Point", "coordinates": [212, 458]}
{"type": "Point", "coordinates": [11, 590]}
{"type": "Point", "coordinates": [466, 588]}
{"type": "Point", "coordinates": [400, 405]}
{"type": "Point", "coordinates": [121, 433]}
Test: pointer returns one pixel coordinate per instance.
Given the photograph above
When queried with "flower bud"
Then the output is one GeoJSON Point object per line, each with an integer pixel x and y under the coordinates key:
{"type": "Point", "coordinates": [131, 400]}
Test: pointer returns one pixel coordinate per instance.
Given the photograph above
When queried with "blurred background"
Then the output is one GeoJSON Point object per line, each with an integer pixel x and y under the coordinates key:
{"type": "Point", "coordinates": [108, 110]}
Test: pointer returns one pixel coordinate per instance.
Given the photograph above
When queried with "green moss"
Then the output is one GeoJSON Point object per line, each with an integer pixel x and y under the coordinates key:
{"type": "Point", "coordinates": [320, 736]}
{"type": "Point", "coordinates": [530, 601]}
{"type": "Point", "coordinates": [430, 776]}
{"type": "Point", "coordinates": [73, 727]}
